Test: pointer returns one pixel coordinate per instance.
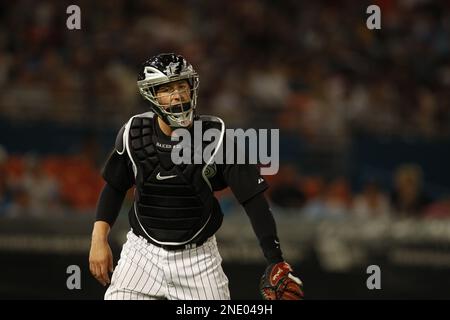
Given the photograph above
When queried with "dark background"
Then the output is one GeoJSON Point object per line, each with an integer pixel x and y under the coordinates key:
{"type": "Point", "coordinates": [364, 120]}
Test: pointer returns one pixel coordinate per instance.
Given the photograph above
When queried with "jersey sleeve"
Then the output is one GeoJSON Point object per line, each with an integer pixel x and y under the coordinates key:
{"type": "Point", "coordinates": [244, 180]}
{"type": "Point", "coordinates": [117, 170]}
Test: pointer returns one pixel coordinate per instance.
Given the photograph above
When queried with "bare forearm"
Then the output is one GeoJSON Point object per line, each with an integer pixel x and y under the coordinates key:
{"type": "Point", "coordinates": [100, 231]}
{"type": "Point", "coordinates": [100, 255]}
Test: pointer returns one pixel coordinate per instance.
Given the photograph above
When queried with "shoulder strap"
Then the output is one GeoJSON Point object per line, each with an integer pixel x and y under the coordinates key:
{"type": "Point", "coordinates": [126, 133]}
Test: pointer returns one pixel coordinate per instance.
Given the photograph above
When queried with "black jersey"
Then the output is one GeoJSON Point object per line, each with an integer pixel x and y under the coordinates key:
{"type": "Point", "coordinates": [179, 211]}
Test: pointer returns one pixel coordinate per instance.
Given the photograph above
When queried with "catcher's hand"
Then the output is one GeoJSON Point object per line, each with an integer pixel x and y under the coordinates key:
{"type": "Point", "coordinates": [278, 283]}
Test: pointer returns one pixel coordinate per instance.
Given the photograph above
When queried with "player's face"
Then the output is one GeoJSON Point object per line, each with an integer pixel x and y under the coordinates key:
{"type": "Point", "coordinates": [174, 93]}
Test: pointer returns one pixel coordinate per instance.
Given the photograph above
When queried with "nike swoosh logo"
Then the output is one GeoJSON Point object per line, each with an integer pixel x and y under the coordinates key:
{"type": "Point", "coordinates": [159, 177]}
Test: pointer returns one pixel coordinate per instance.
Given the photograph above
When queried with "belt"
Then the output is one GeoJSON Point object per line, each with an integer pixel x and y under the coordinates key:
{"type": "Point", "coordinates": [166, 247]}
{"type": "Point", "coordinates": [180, 247]}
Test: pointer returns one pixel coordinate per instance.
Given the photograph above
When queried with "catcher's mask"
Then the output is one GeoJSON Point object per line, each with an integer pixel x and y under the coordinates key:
{"type": "Point", "coordinates": [163, 69]}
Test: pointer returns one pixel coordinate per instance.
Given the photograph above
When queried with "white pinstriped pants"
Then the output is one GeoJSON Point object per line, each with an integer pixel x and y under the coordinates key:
{"type": "Point", "coordinates": [148, 272]}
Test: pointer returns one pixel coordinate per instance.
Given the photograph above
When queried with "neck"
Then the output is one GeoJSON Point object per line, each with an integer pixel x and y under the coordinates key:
{"type": "Point", "coordinates": [164, 127]}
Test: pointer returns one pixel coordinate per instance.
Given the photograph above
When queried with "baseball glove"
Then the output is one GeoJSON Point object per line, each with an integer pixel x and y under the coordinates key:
{"type": "Point", "coordinates": [278, 283]}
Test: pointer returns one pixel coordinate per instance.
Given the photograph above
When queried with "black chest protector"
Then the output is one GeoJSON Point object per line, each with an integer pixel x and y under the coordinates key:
{"type": "Point", "coordinates": [173, 203]}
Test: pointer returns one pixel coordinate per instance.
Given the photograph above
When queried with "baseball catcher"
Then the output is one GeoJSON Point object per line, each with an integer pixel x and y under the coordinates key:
{"type": "Point", "coordinates": [171, 250]}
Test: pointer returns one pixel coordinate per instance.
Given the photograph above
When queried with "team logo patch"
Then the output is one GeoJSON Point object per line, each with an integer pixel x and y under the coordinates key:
{"type": "Point", "coordinates": [171, 69]}
{"type": "Point", "coordinates": [210, 170]}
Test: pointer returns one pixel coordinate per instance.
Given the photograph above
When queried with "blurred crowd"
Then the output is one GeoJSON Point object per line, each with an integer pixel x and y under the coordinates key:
{"type": "Point", "coordinates": [54, 186]}
{"type": "Point", "coordinates": [312, 69]}
{"type": "Point", "coordinates": [316, 197]}
{"type": "Point", "coordinates": [48, 186]}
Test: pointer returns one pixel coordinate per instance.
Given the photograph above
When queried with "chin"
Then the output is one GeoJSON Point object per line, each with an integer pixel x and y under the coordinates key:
{"type": "Point", "coordinates": [187, 124]}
